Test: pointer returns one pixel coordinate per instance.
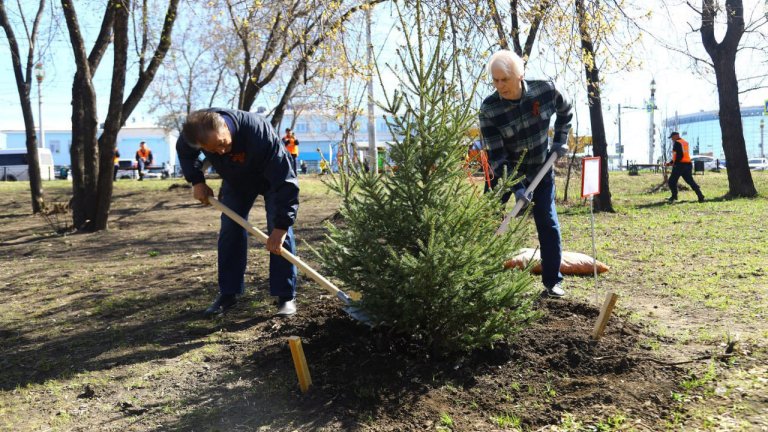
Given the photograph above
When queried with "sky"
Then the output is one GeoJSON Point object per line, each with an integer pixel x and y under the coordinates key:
{"type": "Point", "coordinates": [678, 88]}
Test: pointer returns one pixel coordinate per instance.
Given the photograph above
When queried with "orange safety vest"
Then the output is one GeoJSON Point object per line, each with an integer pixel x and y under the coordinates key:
{"type": "Point", "coordinates": [143, 153]}
{"type": "Point", "coordinates": [290, 145]}
{"type": "Point", "coordinates": [686, 156]}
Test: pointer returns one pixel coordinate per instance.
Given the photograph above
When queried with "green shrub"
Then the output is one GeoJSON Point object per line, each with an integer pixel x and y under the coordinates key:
{"type": "Point", "coordinates": [419, 243]}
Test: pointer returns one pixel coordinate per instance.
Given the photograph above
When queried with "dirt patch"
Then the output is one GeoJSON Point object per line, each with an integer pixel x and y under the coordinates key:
{"type": "Point", "coordinates": [103, 332]}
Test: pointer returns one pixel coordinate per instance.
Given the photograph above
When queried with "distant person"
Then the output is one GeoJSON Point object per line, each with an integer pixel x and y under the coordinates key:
{"type": "Point", "coordinates": [514, 122]}
{"type": "Point", "coordinates": [144, 158]}
{"type": "Point", "coordinates": [324, 169]}
{"type": "Point", "coordinates": [246, 152]}
{"type": "Point", "coordinates": [681, 167]}
{"type": "Point", "coordinates": [303, 167]}
{"type": "Point", "coordinates": [116, 160]}
{"type": "Point", "coordinates": [292, 146]}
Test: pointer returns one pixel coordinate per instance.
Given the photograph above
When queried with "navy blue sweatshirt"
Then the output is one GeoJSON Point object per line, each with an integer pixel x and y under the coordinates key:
{"type": "Point", "coordinates": [257, 163]}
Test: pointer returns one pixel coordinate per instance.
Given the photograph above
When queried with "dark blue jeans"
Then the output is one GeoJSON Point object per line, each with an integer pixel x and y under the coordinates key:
{"type": "Point", "coordinates": [686, 172]}
{"type": "Point", "coordinates": [548, 229]}
{"type": "Point", "coordinates": [233, 247]}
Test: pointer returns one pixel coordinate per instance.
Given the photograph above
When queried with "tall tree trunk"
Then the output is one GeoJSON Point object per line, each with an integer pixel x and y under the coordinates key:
{"type": "Point", "coordinates": [83, 152]}
{"type": "Point", "coordinates": [92, 162]}
{"type": "Point", "coordinates": [114, 119]}
{"type": "Point", "coordinates": [723, 55]}
{"type": "Point", "coordinates": [23, 86]}
{"type": "Point", "coordinates": [599, 143]}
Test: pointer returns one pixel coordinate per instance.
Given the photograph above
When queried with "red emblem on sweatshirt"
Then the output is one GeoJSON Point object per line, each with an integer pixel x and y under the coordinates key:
{"type": "Point", "coordinates": [536, 108]}
{"type": "Point", "coordinates": [238, 157]}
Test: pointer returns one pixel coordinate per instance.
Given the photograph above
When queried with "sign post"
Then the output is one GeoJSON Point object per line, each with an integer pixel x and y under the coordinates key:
{"type": "Point", "coordinates": [590, 186]}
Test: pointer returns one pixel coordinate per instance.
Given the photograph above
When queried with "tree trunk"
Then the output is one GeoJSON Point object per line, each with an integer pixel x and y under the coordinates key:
{"type": "Point", "coordinates": [599, 143]}
{"type": "Point", "coordinates": [740, 183]}
{"type": "Point", "coordinates": [83, 152]}
{"type": "Point", "coordinates": [92, 162]}
{"type": "Point", "coordinates": [114, 119]}
{"type": "Point", "coordinates": [723, 55]}
{"type": "Point", "coordinates": [23, 86]}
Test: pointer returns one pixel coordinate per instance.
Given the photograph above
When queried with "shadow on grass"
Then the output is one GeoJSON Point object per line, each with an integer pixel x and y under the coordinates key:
{"type": "Point", "coordinates": [665, 202]}
{"type": "Point", "coordinates": [101, 333]}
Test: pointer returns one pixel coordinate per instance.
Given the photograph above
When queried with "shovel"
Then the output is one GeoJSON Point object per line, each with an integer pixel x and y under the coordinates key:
{"type": "Point", "coordinates": [520, 203]}
{"type": "Point", "coordinates": [354, 312]}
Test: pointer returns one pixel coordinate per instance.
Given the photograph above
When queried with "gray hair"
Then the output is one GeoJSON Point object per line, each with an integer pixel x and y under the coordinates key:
{"type": "Point", "coordinates": [199, 124]}
{"type": "Point", "coordinates": [510, 62]}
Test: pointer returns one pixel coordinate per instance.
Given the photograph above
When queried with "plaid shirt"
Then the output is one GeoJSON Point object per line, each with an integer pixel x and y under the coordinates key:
{"type": "Point", "coordinates": [513, 128]}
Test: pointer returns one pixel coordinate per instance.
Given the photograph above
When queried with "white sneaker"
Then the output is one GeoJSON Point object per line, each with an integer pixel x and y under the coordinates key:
{"type": "Point", "coordinates": [556, 291]}
{"type": "Point", "coordinates": [286, 308]}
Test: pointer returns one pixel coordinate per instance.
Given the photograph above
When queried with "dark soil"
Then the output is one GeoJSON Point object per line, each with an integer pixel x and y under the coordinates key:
{"type": "Point", "coordinates": [97, 336]}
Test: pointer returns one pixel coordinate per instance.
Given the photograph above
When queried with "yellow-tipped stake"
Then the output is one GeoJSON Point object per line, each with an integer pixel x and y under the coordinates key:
{"type": "Point", "coordinates": [300, 362]}
{"type": "Point", "coordinates": [605, 313]}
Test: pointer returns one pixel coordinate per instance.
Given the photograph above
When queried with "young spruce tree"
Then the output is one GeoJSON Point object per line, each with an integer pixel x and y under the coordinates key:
{"type": "Point", "coordinates": [419, 244]}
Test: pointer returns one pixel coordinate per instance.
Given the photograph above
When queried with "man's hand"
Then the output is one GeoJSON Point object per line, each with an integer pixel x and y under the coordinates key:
{"type": "Point", "coordinates": [521, 196]}
{"type": "Point", "coordinates": [560, 149]}
{"type": "Point", "coordinates": [201, 192]}
{"type": "Point", "coordinates": [275, 241]}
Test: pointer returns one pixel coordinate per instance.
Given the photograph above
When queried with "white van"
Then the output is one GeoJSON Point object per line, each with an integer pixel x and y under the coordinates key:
{"type": "Point", "coordinates": [14, 165]}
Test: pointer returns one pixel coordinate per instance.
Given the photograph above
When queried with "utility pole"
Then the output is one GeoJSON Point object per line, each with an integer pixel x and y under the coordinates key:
{"type": "Point", "coordinates": [762, 149]}
{"type": "Point", "coordinates": [40, 75]}
{"type": "Point", "coordinates": [651, 108]}
{"type": "Point", "coordinates": [621, 147]}
{"type": "Point", "coordinates": [373, 157]}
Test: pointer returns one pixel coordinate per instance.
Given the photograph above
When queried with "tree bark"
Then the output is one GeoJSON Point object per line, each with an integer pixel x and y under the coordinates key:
{"type": "Point", "coordinates": [85, 126]}
{"type": "Point", "coordinates": [23, 86]}
{"type": "Point", "coordinates": [723, 55]}
{"type": "Point", "coordinates": [91, 158]}
{"type": "Point", "coordinates": [599, 143]}
{"type": "Point", "coordinates": [114, 118]}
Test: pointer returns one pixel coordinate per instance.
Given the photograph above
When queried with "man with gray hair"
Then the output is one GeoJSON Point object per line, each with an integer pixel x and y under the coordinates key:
{"type": "Point", "coordinates": [248, 155]}
{"type": "Point", "coordinates": [514, 122]}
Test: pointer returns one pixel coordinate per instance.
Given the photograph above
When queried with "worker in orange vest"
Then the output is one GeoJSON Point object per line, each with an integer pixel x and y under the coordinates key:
{"type": "Point", "coordinates": [143, 158]}
{"type": "Point", "coordinates": [681, 167]}
{"type": "Point", "coordinates": [292, 145]}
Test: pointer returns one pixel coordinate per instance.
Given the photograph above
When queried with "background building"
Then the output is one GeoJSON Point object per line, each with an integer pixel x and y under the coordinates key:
{"type": "Point", "coordinates": [702, 131]}
{"type": "Point", "coordinates": [161, 142]}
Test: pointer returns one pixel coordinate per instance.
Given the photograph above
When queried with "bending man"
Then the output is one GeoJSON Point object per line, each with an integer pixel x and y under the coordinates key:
{"type": "Point", "coordinates": [514, 121]}
{"type": "Point", "coordinates": [248, 155]}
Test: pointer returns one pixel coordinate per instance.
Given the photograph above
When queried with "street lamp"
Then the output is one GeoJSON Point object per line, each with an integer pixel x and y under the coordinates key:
{"type": "Point", "coordinates": [40, 75]}
{"type": "Point", "coordinates": [651, 128]}
{"type": "Point", "coordinates": [762, 125]}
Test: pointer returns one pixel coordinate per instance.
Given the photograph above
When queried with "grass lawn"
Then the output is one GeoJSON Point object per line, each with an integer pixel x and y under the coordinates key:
{"type": "Point", "coordinates": [116, 311]}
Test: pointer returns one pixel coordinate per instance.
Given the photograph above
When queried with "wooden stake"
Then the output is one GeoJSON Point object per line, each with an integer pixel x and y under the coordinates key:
{"type": "Point", "coordinates": [300, 362]}
{"type": "Point", "coordinates": [605, 314]}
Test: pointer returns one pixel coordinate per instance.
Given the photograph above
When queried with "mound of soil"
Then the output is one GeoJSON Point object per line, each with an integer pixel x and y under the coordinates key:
{"type": "Point", "coordinates": [551, 370]}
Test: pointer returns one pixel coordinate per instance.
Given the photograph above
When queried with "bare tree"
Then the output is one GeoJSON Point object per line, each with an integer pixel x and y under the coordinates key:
{"type": "Point", "coordinates": [599, 143]}
{"type": "Point", "coordinates": [24, 86]}
{"type": "Point", "coordinates": [723, 55]}
{"type": "Point", "coordinates": [91, 158]}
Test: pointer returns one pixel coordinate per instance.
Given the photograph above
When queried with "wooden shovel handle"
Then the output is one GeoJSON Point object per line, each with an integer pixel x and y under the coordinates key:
{"type": "Point", "coordinates": [293, 259]}
{"type": "Point", "coordinates": [519, 204]}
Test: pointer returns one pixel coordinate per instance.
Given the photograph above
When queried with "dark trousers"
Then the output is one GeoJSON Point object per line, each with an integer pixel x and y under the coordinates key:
{"type": "Point", "coordinates": [295, 164]}
{"type": "Point", "coordinates": [684, 170]}
{"type": "Point", "coordinates": [547, 227]}
{"type": "Point", "coordinates": [233, 247]}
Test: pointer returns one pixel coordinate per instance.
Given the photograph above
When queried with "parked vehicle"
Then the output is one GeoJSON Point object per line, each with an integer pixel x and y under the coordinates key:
{"type": "Point", "coordinates": [758, 164]}
{"type": "Point", "coordinates": [14, 164]}
{"type": "Point", "coordinates": [709, 162]}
